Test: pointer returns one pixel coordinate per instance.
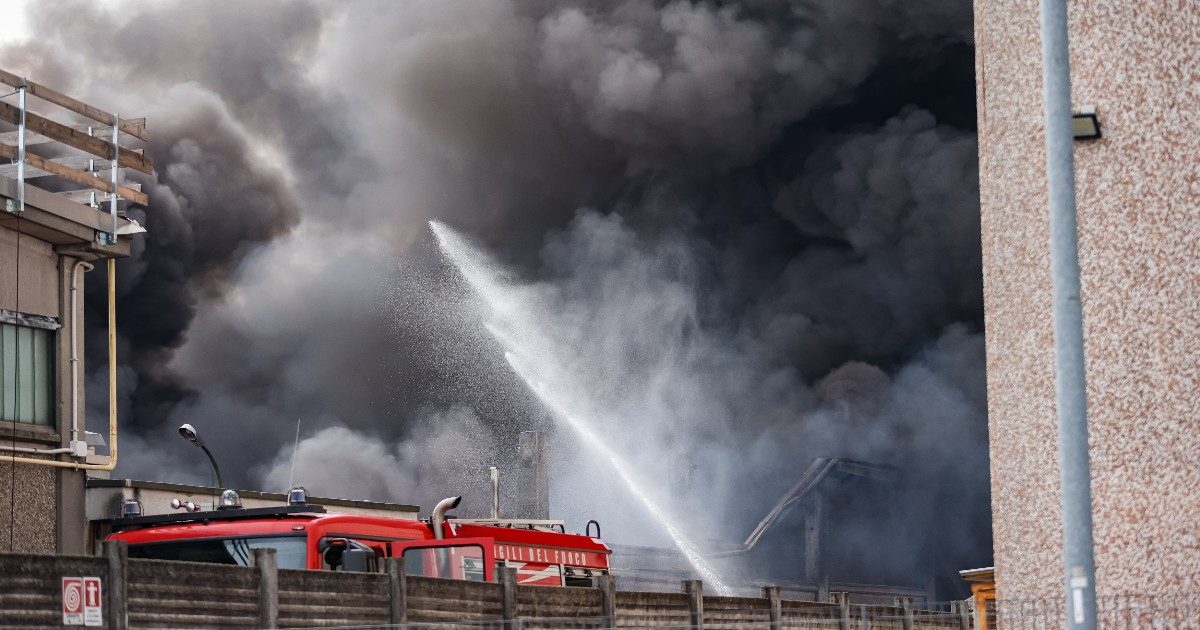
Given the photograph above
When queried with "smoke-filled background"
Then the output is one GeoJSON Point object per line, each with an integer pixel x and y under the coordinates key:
{"type": "Point", "coordinates": [752, 225]}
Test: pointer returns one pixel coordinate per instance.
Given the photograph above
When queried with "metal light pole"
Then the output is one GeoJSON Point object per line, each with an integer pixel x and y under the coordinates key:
{"type": "Point", "coordinates": [189, 432]}
{"type": "Point", "coordinates": [1070, 382]}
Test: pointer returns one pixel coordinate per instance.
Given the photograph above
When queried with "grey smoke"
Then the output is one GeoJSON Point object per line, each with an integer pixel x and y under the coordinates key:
{"type": "Point", "coordinates": [759, 217]}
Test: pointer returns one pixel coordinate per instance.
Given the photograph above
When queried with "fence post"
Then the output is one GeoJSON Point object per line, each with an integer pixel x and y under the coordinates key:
{"type": "Point", "coordinates": [397, 591]}
{"type": "Point", "coordinates": [775, 605]}
{"type": "Point", "coordinates": [608, 600]}
{"type": "Point", "coordinates": [117, 554]}
{"type": "Point", "coordinates": [964, 614]}
{"type": "Point", "coordinates": [695, 591]}
{"type": "Point", "coordinates": [862, 615]}
{"type": "Point", "coordinates": [266, 563]}
{"type": "Point", "coordinates": [843, 601]}
{"type": "Point", "coordinates": [508, 593]}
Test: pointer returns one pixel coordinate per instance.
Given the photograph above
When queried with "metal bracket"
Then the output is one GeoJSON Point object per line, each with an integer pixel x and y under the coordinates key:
{"type": "Point", "coordinates": [21, 149]}
{"type": "Point", "coordinates": [116, 142]}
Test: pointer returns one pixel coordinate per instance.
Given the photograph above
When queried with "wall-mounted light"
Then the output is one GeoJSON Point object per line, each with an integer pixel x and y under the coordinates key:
{"type": "Point", "coordinates": [1085, 124]}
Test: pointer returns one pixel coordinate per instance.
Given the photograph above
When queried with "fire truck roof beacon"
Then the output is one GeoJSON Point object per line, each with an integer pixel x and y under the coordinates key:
{"type": "Point", "coordinates": [131, 507]}
{"type": "Point", "coordinates": [229, 501]}
{"type": "Point", "coordinates": [297, 496]}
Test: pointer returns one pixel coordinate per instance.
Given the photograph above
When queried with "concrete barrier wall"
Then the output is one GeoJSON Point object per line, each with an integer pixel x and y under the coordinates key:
{"type": "Point", "coordinates": [323, 598]}
{"type": "Point", "coordinates": [31, 586]}
{"type": "Point", "coordinates": [158, 593]}
{"type": "Point", "coordinates": [167, 594]}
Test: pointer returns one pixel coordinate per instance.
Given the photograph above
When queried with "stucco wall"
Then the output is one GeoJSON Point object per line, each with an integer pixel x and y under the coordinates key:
{"type": "Point", "coordinates": [39, 275]}
{"type": "Point", "coordinates": [1138, 191]}
{"type": "Point", "coordinates": [34, 510]}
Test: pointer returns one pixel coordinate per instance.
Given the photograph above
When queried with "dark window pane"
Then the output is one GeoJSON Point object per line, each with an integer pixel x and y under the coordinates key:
{"type": "Point", "coordinates": [291, 550]}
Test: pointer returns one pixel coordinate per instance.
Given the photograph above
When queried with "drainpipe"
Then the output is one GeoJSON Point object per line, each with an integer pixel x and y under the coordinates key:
{"type": "Point", "coordinates": [1070, 374]}
{"type": "Point", "coordinates": [112, 391]}
{"type": "Point", "coordinates": [79, 264]}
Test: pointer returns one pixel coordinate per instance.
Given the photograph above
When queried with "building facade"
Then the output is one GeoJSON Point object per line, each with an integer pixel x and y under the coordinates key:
{"type": "Point", "coordinates": [1138, 190]}
{"type": "Point", "coordinates": [48, 243]}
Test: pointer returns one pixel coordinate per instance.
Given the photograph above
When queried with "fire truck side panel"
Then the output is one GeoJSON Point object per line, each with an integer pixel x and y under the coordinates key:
{"type": "Point", "coordinates": [374, 532]}
{"type": "Point", "coordinates": [524, 545]}
{"type": "Point", "coordinates": [468, 551]}
{"type": "Point", "coordinates": [454, 558]}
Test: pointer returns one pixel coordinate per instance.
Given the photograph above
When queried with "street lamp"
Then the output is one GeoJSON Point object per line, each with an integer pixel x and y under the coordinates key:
{"type": "Point", "coordinates": [189, 432]}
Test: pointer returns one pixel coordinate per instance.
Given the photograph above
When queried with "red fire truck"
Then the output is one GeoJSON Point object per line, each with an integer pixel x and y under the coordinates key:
{"type": "Point", "coordinates": [307, 537]}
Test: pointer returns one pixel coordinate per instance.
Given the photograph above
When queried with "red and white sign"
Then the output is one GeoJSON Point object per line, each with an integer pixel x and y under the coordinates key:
{"type": "Point", "coordinates": [535, 574]}
{"type": "Point", "coordinates": [72, 601]}
{"type": "Point", "coordinates": [81, 601]}
{"type": "Point", "coordinates": [93, 610]}
{"type": "Point", "coordinates": [517, 553]}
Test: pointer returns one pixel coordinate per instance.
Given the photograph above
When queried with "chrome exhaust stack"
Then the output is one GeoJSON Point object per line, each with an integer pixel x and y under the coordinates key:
{"type": "Point", "coordinates": [439, 515]}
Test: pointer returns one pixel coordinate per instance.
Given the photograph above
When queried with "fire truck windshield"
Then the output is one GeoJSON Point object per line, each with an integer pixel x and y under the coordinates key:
{"type": "Point", "coordinates": [291, 550]}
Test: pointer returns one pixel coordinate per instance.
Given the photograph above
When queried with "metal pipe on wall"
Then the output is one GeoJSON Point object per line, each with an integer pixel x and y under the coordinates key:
{"type": "Point", "coordinates": [494, 475]}
{"type": "Point", "coordinates": [1070, 369]}
{"type": "Point", "coordinates": [79, 264]}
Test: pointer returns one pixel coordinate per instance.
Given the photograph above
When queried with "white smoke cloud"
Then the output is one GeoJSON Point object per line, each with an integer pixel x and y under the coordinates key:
{"type": "Point", "coordinates": [444, 456]}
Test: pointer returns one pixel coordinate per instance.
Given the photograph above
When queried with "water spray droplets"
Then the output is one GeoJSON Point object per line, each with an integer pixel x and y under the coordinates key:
{"type": "Point", "coordinates": [525, 351]}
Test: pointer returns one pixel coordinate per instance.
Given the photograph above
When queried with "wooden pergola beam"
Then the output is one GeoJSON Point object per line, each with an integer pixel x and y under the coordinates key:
{"type": "Point", "coordinates": [132, 127]}
{"type": "Point", "coordinates": [77, 139]}
{"type": "Point", "coordinates": [79, 177]}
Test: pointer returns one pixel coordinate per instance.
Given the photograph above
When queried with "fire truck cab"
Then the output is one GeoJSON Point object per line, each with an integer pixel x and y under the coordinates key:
{"type": "Point", "coordinates": [307, 537]}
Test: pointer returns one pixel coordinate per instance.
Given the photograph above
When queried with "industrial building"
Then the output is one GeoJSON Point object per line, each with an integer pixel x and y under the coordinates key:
{"type": "Point", "coordinates": [62, 184]}
{"type": "Point", "coordinates": [1134, 66]}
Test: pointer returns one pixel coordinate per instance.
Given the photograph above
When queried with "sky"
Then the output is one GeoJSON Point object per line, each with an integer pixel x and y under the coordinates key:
{"type": "Point", "coordinates": [746, 235]}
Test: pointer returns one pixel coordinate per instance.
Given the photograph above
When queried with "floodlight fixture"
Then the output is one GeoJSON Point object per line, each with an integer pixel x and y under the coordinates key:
{"type": "Point", "coordinates": [1085, 125]}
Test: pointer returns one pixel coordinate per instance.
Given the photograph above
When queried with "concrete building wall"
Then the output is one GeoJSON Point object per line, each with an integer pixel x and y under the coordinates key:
{"type": "Point", "coordinates": [39, 275]}
{"type": "Point", "coordinates": [48, 511]}
{"type": "Point", "coordinates": [1138, 192]}
{"type": "Point", "coordinates": [34, 511]}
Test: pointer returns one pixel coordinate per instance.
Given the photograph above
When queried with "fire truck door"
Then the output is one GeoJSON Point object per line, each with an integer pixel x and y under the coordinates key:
{"type": "Point", "coordinates": [458, 559]}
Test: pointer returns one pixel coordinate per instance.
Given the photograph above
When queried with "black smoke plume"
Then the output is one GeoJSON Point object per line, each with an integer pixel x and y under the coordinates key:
{"type": "Point", "coordinates": [770, 205]}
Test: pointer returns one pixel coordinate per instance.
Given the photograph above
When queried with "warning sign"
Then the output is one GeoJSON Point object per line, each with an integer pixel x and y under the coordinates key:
{"type": "Point", "coordinates": [81, 597]}
{"type": "Point", "coordinates": [92, 611]}
{"type": "Point", "coordinates": [72, 601]}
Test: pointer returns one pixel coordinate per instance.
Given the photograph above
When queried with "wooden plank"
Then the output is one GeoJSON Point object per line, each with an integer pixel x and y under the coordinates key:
{"type": "Point", "coordinates": [131, 126]}
{"type": "Point", "coordinates": [66, 135]}
{"type": "Point", "coordinates": [79, 163]}
{"type": "Point", "coordinates": [79, 177]}
{"type": "Point", "coordinates": [10, 137]}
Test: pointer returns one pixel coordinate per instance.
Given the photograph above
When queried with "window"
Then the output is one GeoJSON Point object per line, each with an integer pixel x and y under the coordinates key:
{"type": "Point", "coordinates": [26, 374]}
{"type": "Point", "coordinates": [460, 562]}
{"type": "Point", "coordinates": [292, 551]}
